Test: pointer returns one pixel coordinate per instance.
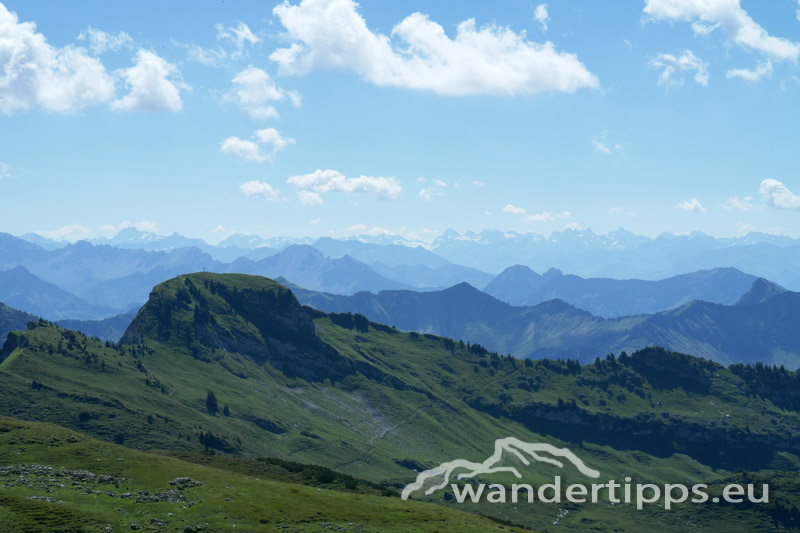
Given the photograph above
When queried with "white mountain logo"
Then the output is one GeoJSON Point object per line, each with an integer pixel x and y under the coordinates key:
{"type": "Point", "coordinates": [440, 476]}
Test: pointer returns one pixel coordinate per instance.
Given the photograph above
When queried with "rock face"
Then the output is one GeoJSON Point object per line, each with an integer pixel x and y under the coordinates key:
{"type": "Point", "coordinates": [250, 315]}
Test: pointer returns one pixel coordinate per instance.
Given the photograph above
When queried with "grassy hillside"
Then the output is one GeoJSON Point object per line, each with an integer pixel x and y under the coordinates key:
{"type": "Point", "coordinates": [53, 479]}
{"type": "Point", "coordinates": [234, 364]}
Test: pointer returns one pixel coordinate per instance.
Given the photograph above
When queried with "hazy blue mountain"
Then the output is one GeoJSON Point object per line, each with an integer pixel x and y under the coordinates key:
{"type": "Point", "coordinates": [764, 331]}
{"type": "Point", "coordinates": [306, 266]}
{"type": "Point", "coordinates": [621, 254]}
{"type": "Point", "coordinates": [22, 290]}
{"type": "Point", "coordinates": [44, 242]}
{"type": "Point", "coordinates": [391, 255]}
{"type": "Point", "coordinates": [427, 278]}
{"type": "Point", "coordinates": [109, 329]}
{"type": "Point", "coordinates": [242, 240]}
{"type": "Point", "coordinates": [519, 285]}
{"type": "Point", "coordinates": [13, 320]}
{"type": "Point", "coordinates": [142, 240]}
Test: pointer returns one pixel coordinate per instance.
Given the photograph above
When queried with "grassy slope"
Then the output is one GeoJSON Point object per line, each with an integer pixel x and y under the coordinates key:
{"type": "Point", "coordinates": [225, 500]}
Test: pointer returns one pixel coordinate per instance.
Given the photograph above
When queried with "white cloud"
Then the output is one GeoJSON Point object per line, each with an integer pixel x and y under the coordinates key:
{"type": "Point", "coordinates": [777, 195]}
{"type": "Point", "coordinates": [541, 16]}
{"type": "Point", "coordinates": [150, 88]}
{"type": "Point", "coordinates": [374, 231]}
{"type": "Point", "coordinates": [692, 205]}
{"type": "Point", "coordinates": [311, 186]}
{"type": "Point", "coordinates": [601, 146]}
{"type": "Point", "coordinates": [36, 74]}
{"type": "Point", "coordinates": [225, 232]}
{"type": "Point", "coordinates": [741, 204]}
{"type": "Point", "coordinates": [514, 210]}
{"type": "Point", "coordinates": [706, 15]}
{"type": "Point", "coordinates": [5, 170]}
{"type": "Point", "coordinates": [254, 90]}
{"type": "Point", "coordinates": [420, 55]}
{"type": "Point", "coordinates": [251, 151]}
{"type": "Point", "coordinates": [432, 189]}
{"type": "Point", "coordinates": [615, 210]}
{"type": "Point", "coordinates": [752, 76]}
{"type": "Point", "coordinates": [233, 40]}
{"type": "Point", "coordinates": [744, 227]}
{"type": "Point", "coordinates": [100, 41]}
{"type": "Point", "coordinates": [71, 232]}
{"type": "Point", "coordinates": [247, 150]}
{"type": "Point", "coordinates": [674, 66]}
{"type": "Point", "coordinates": [271, 136]}
{"type": "Point", "coordinates": [478, 183]}
{"type": "Point", "coordinates": [260, 189]}
{"type": "Point", "coordinates": [309, 198]}
{"type": "Point", "coordinates": [147, 226]}
{"type": "Point", "coordinates": [238, 36]}
{"type": "Point", "coordinates": [546, 216]}
{"type": "Point", "coordinates": [572, 226]}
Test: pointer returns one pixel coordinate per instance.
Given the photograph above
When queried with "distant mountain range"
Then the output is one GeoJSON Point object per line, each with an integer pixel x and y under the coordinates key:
{"type": "Point", "coordinates": [106, 277]}
{"type": "Point", "coordinates": [519, 285]}
{"type": "Point", "coordinates": [621, 254]}
{"type": "Point", "coordinates": [761, 326]}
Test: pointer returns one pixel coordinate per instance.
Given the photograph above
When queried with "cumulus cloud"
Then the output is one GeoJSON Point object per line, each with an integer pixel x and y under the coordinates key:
{"type": "Point", "coordinates": [100, 41]}
{"type": "Point", "coordinates": [777, 195]}
{"type": "Point", "coordinates": [740, 204]}
{"type": "Point", "coordinates": [540, 15]}
{"type": "Point", "coordinates": [311, 186]}
{"type": "Point", "coordinates": [252, 150]}
{"type": "Point", "coordinates": [432, 188]}
{"type": "Point", "coordinates": [309, 198]}
{"type": "Point", "coordinates": [260, 189]}
{"type": "Point", "coordinates": [254, 90]}
{"type": "Point", "coordinates": [35, 74]}
{"type": "Point", "coordinates": [692, 205]}
{"type": "Point", "coordinates": [762, 70]}
{"type": "Point", "coordinates": [708, 15]}
{"type": "Point", "coordinates": [70, 232]}
{"type": "Point", "coordinates": [420, 55]}
{"type": "Point", "coordinates": [478, 183]}
{"type": "Point", "coordinates": [674, 66]}
{"type": "Point", "coordinates": [514, 210]}
{"type": "Point", "coordinates": [154, 85]}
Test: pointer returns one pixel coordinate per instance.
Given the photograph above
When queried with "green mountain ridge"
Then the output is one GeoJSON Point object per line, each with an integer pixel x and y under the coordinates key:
{"type": "Point", "coordinates": [235, 364]}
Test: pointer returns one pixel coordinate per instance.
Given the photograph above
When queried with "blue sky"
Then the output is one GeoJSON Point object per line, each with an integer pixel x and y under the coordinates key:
{"type": "Point", "coordinates": [327, 117]}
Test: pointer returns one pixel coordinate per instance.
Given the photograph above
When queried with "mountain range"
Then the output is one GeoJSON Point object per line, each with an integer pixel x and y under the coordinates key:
{"type": "Point", "coordinates": [519, 285]}
{"type": "Point", "coordinates": [97, 281]}
{"type": "Point", "coordinates": [759, 327]}
{"type": "Point", "coordinates": [234, 364]}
